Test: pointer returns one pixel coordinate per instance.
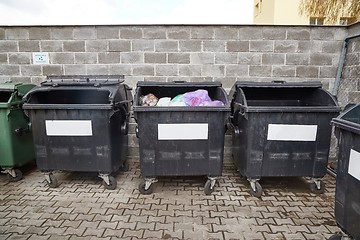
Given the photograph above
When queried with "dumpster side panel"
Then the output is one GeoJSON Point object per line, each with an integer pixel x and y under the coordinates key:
{"type": "Point", "coordinates": [181, 157]}
{"type": "Point", "coordinates": [118, 139]}
{"type": "Point", "coordinates": [83, 150]}
{"type": "Point", "coordinates": [240, 145]}
{"type": "Point", "coordinates": [23, 141]}
{"type": "Point", "coordinates": [6, 152]}
{"type": "Point", "coordinates": [270, 154]}
{"type": "Point", "coordinates": [16, 149]}
{"type": "Point", "coordinates": [347, 203]}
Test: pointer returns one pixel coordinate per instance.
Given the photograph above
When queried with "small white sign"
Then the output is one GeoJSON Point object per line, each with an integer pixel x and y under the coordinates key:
{"type": "Point", "coordinates": [286, 132]}
{"type": "Point", "coordinates": [40, 58]}
{"type": "Point", "coordinates": [68, 127]}
{"type": "Point", "coordinates": [183, 131]}
{"type": "Point", "coordinates": [354, 164]}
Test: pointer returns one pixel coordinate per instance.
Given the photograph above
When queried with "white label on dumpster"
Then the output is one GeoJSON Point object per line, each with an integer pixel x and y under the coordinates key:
{"type": "Point", "coordinates": [284, 132]}
{"type": "Point", "coordinates": [183, 131]}
{"type": "Point", "coordinates": [354, 164]}
{"type": "Point", "coordinates": [68, 127]}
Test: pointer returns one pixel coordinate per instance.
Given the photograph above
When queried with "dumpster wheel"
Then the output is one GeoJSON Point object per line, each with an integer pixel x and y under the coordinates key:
{"type": "Point", "coordinates": [125, 166]}
{"type": "Point", "coordinates": [14, 175]}
{"type": "Point", "coordinates": [336, 237]}
{"type": "Point", "coordinates": [209, 186]}
{"type": "Point", "coordinates": [258, 191]}
{"type": "Point", "coordinates": [112, 183]}
{"type": "Point", "coordinates": [317, 187]}
{"type": "Point", "coordinates": [51, 180]}
{"type": "Point", "coordinates": [142, 187]}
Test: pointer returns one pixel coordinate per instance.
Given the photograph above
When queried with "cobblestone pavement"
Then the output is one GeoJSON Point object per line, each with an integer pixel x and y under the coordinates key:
{"type": "Point", "coordinates": [178, 209]}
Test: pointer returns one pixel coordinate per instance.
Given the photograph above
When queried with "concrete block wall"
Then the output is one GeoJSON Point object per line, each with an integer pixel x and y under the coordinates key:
{"type": "Point", "coordinates": [174, 52]}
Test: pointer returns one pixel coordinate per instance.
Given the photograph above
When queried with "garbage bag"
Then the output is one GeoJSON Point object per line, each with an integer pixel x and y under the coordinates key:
{"type": "Point", "coordinates": [163, 102]}
{"type": "Point", "coordinates": [215, 103]}
{"type": "Point", "coordinates": [148, 100]}
{"type": "Point", "coordinates": [178, 98]}
{"type": "Point", "coordinates": [195, 98]}
{"type": "Point", "coordinates": [178, 101]}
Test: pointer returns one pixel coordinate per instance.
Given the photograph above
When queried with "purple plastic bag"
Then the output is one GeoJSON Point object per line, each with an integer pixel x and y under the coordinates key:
{"type": "Point", "coordinates": [215, 103]}
{"type": "Point", "coordinates": [196, 98]}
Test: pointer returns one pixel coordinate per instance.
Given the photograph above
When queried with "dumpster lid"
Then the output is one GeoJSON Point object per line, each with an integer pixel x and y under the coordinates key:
{"type": "Point", "coordinates": [349, 119]}
{"type": "Point", "coordinates": [351, 114]}
{"type": "Point", "coordinates": [178, 84]}
{"type": "Point", "coordinates": [21, 88]}
{"type": "Point", "coordinates": [9, 86]}
{"type": "Point", "coordinates": [83, 80]}
{"type": "Point", "coordinates": [279, 84]}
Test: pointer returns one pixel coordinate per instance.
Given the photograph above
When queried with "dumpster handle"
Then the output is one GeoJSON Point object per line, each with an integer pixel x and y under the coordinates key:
{"type": "Point", "coordinates": [22, 130]}
{"type": "Point", "coordinates": [234, 128]}
{"type": "Point", "coordinates": [179, 81]}
{"type": "Point", "coordinates": [279, 81]}
{"type": "Point", "coordinates": [128, 88]}
{"type": "Point", "coordinates": [118, 104]}
{"type": "Point", "coordinates": [238, 108]}
{"type": "Point", "coordinates": [124, 127]}
{"type": "Point", "coordinates": [242, 111]}
{"type": "Point", "coordinates": [124, 101]}
{"type": "Point", "coordinates": [137, 131]}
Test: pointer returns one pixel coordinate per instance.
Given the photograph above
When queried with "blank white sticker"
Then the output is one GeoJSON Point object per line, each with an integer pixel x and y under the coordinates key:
{"type": "Point", "coordinates": [68, 127]}
{"type": "Point", "coordinates": [183, 131]}
{"type": "Point", "coordinates": [354, 164]}
{"type": "Point", "coordinates": [284, 132]}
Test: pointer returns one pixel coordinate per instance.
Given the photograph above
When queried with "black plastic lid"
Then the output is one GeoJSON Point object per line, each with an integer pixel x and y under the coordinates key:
{"type": "Point", "coordinates": [349, 119]}
{"type": "Point", "coordinates": [83, 80]}
{"type": "Point", "coordinates": [279, 84]}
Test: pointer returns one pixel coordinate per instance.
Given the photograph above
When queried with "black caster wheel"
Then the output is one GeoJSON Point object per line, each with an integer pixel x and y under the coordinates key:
{"type": "Point", "coordinates": [53, 181]}
{"type": "Point", "coordinates": [125, 166]}
{"type": "Point", "coordinates": [112, 185]}
{"type": "Point", "coordinates": [314, 188]}
{"type": "Point", "coordinates": [144, 191]}
{"type": "Point", "coordinates": [18, 176]}
{"type": "Point", "coordinates": [335, 237]}
{"type": "Point", "coordinates": [258, 192]}
{"type": "Point", "coordinates": [207, 188]}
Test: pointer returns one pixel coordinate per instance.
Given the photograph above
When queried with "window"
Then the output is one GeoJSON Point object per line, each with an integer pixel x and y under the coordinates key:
{"type": "Point", "coordinates": [257, 10]}
{"type": "Point", "coordinates": [317, 21]}
{"type": "Point", "coordinates": [258, 7]}
{"type": "Point", "coordinates": [347, 20]}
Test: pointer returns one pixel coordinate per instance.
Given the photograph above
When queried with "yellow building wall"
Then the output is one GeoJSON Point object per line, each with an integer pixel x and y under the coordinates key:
{"type": "Point", "coordinates": [264, 13]}
{"type": "Point", "coordinates": [281, 12]}
{"type": "Point", "coordinates": [287, 12]}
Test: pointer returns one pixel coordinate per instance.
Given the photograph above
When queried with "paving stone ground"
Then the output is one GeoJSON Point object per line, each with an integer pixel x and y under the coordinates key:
{"type": "Point", "coordinates": [80, 208]}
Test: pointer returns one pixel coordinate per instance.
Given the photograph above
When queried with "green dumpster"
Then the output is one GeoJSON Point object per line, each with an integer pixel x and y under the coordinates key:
{"type": "Point", "coordinates": [16, 148]}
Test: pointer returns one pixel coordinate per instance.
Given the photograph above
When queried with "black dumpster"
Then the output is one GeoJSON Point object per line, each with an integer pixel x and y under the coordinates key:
{"type": "Point", "coordinates": [281, 129]}
{"type": "Point", "coordinates": [347, 195]}
{"type": "Point", "coordinates": [80, 123]}
{"type": "Point", "coordinates": [180, 140]}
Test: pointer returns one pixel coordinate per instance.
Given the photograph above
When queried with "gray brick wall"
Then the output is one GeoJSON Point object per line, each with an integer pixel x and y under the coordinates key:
{"type": "Point", "coordinates": [168, 53]}
{"type": "Point", "coordinates": [161, 53]}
